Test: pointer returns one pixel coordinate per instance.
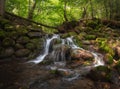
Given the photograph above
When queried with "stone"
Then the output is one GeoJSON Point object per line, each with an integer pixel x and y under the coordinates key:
{"type": "Point", "coordinates": [61, 52]}
{"type": "Point", "coordinates": [7, 42]}
{"type": "Point", "coordinates": [23, 39]}
{"type": "Point", "coordinates": [6, 52]}
{"type": "Point", "coordinates": [19, 46]}
{"type": "Point", "coordinates": [22, 53]}
{"type": "Point", "coordinates": [117, 51]}
{"type": "Point", "coordinates": [100, 73]}
{"type": "Point", "coordinates": [30, 46]}
{"type": "Point", "coordinates": [81, 54]}
{"type": "Point", "coordinates": [34, 34]}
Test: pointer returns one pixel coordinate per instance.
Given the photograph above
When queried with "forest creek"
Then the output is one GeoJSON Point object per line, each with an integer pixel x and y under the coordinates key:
{"type": "Point", "coordinates": [59, 48]}
{"type": "Point", "coordinates": [77, 57]}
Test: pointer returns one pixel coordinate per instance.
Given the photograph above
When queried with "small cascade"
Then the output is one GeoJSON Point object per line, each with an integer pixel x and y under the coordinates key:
{"type": "Point", "coordinates": [58, 55]}
{"type": "Point", "coordinates": [46, 50]}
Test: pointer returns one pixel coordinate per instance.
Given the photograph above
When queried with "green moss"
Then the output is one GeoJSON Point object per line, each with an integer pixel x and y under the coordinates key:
{"type": "Point", "coordinates": [90, 37]}
{"type": "Point", "coordinates": [2, 34]}
{"type": "Point", "coordinates": [30, 46]}
{"type": "Point", "coordinates": [104, 46]}
{"type": "Point", "coordinates": [110, 58]}
{"type": "Point", "coordinates": [8, 42]}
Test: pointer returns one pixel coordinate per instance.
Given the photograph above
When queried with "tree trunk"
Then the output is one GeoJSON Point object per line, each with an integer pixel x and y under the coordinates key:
{"type": "Point", "coordinates": [65, 13]}
{"type": "Point", "coordinates": [2, 7]}
{"type": "Point", "coordinates": [31, 11]}
{"type": "Point", "coordinates": [92, 12]}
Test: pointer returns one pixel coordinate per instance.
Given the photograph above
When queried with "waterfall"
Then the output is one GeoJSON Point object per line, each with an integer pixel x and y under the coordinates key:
{"type": "Point", "coordinates": [41, 57]}
{"type": "Point", "coordinates": [58, 55]}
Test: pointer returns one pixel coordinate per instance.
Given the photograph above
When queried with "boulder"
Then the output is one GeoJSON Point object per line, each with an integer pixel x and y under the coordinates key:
{"type": "Point", "coordinates": [19, 46]}
{"type": "Point", "coordinates": [30, 46]}
{"type": "Point", "coordinates": [7, 42]}
{"type": "Point", "coordinates": [34, 34]}
{"type": "Point", "coordinates": [6, 52]}
{"type": "Point", "coordinates": [23, 39]}
{"type": "Point", "coordinates": [81, 54]}
{"type": "Point", "coordinates": [22, 53]}
{"type": "Point", "coordinates": [100, 73]}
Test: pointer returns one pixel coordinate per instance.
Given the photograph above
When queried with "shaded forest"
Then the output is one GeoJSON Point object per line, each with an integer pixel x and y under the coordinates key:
{"type": "Point", "coordinates": [59, 44]}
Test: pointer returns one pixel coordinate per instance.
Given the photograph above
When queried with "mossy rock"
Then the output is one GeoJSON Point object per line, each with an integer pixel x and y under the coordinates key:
{"type": "Point", "coordinates": [78, 41]}
{"type": "Point", "coordinates": [72, 33]}
{"type": "Point", "coordinates": [30, 46]}
{"type": "Point", "coordinates": [2, 34]}
{"type": "Point", "coordinates": [117, 66]}
{"type": "Point", "coordinates": [90, 37]}
{"type": "Point", "coordinates": [7, 42]}
{"type": "Point", "coordinates": [22, 31]}
{"type": "Point", "coordinates": [23, 40]}
{"type": "Point", "coordinates": [100, 73]}
{"type": "Point", "coordinates": [22, 53]}
{"type": "Point", "coordinates": [13, 35]}
{"type": "Point", "coordinates": [19, 46]}
{"type": "Point", "coordinates": [65, 35]}
{"type": "Point", "coordinates": [9, 27]}
{"type": "Point", "coordinates": [109, 58]}
{"type": "Point", "coordinates": [6, 52]}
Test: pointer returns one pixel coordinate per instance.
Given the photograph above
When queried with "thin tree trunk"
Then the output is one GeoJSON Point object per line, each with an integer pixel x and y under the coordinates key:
{"type": "Point", "coordinates": [92, 12]}
{"type": "Point", "coordinates": [31, 11]}
{"type": "Point", "coordinates": [65, 13]}
{"type": "Point", "coordinates": [2, 7]}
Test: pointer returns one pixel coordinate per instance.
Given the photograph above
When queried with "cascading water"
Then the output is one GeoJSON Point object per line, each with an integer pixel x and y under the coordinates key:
{"type": "Point", "coordinates": [46, 50]}
{"type": "Point", "coordinates": [59, 57]}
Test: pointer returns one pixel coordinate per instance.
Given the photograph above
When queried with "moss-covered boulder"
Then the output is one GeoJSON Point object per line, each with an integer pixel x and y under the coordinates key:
{"type": "Point", "coordinates": [6, 52]}
{"type": "Point", "coordinates": [34, 34]}
{"type": "Point", "coordinates": [19, 46]}
{"type": "Point", "coordinates": [23, 40]}
{"type": "Point", "coordinates": [7, 42]}
{"type": "Point", "coordinates": [22, 53]}
{"type": "Point", "coordinates": [30, 46]}
{"type": "Point", "coordinates": [100, 73]}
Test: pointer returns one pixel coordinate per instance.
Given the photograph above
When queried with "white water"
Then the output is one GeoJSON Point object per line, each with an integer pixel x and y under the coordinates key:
{"type": "Point", "coordinates": [98, 59]}
{"type": "Point", "coordinates": [60, 64]}
{"type": "Point", "coordinates": [41, 57]}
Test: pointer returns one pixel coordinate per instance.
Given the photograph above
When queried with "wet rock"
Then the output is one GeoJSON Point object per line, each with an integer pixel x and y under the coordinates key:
{"type": "Point", "coordinates": [81, 54]}
{"type": "Point", "coordinates": [53, 43]}
{"type": "Point", "coordinates": [22, 53]}
{"type": "Point", "coordinates": [7, 42]}
{"type": "Point", "coordinates": [61, 52]}
{"type": "Point", "coordinates": [4, 53]}
{"type": "Point", "coordinates": [23, 40]}
{"type": "Point", "coordinates": [100, 73]}
{"type": "Point", "coordinates": [34, 34]}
